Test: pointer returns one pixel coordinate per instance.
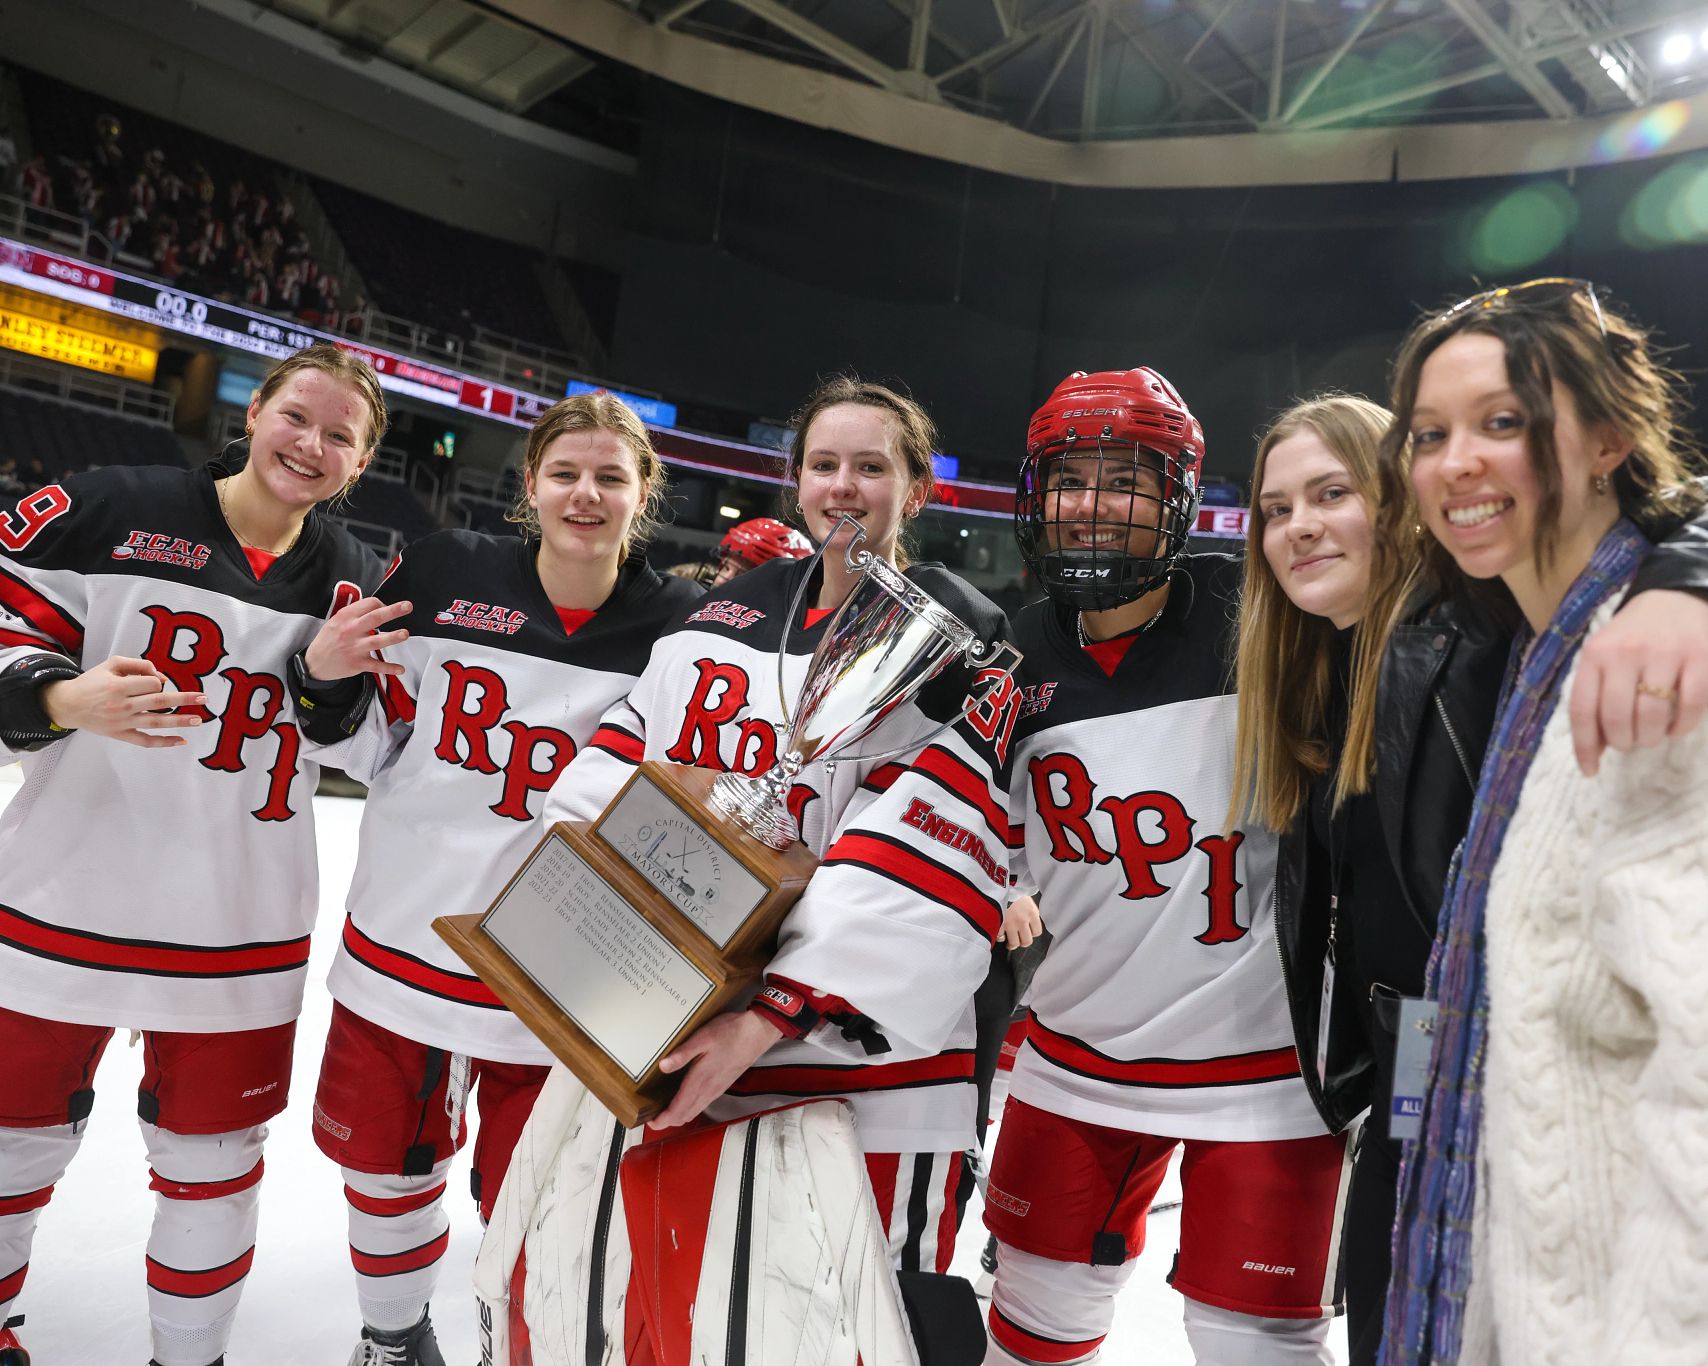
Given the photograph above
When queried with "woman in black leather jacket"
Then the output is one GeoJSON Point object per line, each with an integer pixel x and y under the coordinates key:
{"type": "Point", "coordinates": [1366, 843]}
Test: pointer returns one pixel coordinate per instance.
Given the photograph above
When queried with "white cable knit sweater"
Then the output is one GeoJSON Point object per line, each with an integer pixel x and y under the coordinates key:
{"type": "Point", "coordinates": [1591, 1224]}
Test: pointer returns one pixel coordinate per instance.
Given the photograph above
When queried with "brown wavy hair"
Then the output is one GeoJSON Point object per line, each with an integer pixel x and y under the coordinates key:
{"type": "Point", "coordinates": [1285, 658]}
{"type": "Point", "coordinates": [915, 434]}
{"type": "Point", "coordinates": [1615, 377]}
{"type": "Point", "coordinates": [587, 413]}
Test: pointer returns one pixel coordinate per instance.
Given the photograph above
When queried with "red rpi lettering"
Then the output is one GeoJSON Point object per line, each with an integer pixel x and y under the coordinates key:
{"type": "Point", "coordinates": [242, 720]}
{"type": "Point", "coordinates": [1062, 795]}
{"type": "Point", "coordinates": [719, 696]}
{"type": "Point", "coordinates": [187, 647]}
{"type": "Point", "coordinates": [523, 776]}
{"type": "Point", "coordinates": [470, 726]}
{"type": "Point", "coordinates": [475, 701]}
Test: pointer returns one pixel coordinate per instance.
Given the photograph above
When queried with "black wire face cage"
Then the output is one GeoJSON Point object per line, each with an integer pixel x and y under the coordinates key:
{"type": "Point", "coordinates": [1100, 526]}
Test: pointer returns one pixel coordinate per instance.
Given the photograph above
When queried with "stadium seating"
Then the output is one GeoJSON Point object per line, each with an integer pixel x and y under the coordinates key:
{"type": "Point", "coordinates": [449, 278]}
{"type": "Point", "coordinates": [67, 437]}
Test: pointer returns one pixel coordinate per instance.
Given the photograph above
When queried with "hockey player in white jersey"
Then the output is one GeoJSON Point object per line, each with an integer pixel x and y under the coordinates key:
{"type": "Point", "coordinates": [869, 996]}
{"type": "Point", "coordinates": [158, 867]}
{"type": "Point", "coordinates": [500, 656]}
{"type": "Point", "coordinates": [1158, 1016]}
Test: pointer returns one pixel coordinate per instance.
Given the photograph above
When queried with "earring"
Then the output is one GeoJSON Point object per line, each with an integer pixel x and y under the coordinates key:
{"type": "Point", "coordinates": [1598, 482]}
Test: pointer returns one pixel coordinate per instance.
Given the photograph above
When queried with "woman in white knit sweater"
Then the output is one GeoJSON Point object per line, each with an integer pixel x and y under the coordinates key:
{"type": "Point", "coordinates": [1555, 1208]}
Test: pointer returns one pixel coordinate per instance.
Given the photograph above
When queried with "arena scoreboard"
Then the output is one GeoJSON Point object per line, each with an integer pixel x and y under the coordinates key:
{"type": "Point", "coordinates": [160, 306]}
{"type": "Point", "coordinates": [224, 324]}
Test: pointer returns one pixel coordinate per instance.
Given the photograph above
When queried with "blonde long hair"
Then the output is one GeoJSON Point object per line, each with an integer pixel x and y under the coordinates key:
{"type": "Point", "coordinates": [1285, 659]}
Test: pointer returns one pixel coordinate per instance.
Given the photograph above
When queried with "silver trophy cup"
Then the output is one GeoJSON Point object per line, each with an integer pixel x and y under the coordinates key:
{"type": "Point", "coordinates": [887, 640]}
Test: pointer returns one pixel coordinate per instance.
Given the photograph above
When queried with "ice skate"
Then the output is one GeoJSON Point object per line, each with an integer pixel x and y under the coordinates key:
{"type": "Point", "coordinates": [400, 1347]}
{"type": "Point", "coordinates": [12, 1351]}
{"type": "Point", "coordinates": [986, 1279]}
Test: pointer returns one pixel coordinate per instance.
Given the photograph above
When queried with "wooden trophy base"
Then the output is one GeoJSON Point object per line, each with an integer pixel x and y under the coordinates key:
{"type": "Point", "coordinates": [615, 941]}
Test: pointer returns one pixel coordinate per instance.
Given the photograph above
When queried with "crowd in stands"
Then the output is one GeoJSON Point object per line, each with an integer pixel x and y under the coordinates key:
{"type": "Point", "coordinates": [212, 219]}
{"type": "Point", "coordinates": [194, 212]}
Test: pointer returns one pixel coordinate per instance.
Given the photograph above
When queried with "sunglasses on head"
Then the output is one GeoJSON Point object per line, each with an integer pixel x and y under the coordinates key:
{"type": "Point", "coordinates": [1543, 291]}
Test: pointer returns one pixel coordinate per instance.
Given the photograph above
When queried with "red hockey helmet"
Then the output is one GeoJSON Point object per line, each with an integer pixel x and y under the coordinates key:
{"type": "Point", "coordinates": [1108, 491]}
{"type": "Point", "coordinates": [747, 545]}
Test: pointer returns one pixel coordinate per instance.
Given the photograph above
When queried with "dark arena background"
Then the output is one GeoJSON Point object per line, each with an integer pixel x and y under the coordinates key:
{"type": "Point", "coordinates": [705, 205]}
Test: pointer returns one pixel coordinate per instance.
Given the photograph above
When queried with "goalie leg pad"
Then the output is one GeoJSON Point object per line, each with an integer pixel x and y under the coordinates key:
{"type": "Point", "coordinates": [759, 1240]}
{"type": "Point", "coordinates": [551, 1289]}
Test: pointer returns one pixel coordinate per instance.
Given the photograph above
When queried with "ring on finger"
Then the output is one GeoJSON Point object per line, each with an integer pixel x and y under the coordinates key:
{"type": "Point", "coordinates": [1657, 691]}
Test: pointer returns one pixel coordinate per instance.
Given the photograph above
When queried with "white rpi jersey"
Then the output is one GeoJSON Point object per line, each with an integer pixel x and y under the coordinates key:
{"type": "Point", "coordinates": [1160, 1007]}
{"type": "Point", "coordinates": [164, 888]}
{"type": "Point", "coordinates": [498, 692]}
{"type": "Point", "coordinates": [896, 926]}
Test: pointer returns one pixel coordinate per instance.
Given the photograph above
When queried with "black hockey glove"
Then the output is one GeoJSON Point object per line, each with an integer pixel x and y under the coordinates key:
{"type": "Point", "coordinates": [328, 711]}
{"type": "Point", "coordinates": [23, 724]}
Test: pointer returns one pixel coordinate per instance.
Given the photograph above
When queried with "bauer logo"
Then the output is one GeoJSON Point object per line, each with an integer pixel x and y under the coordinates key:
{"type": "Point", "coordinates": [154, 547]}
{"type": "Point", "coordinates": [1268, 1270]}
{"type": "Point", "coordinates": [481, 616]}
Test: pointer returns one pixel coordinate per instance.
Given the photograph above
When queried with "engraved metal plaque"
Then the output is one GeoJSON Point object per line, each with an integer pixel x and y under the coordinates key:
{"type": "Point", "coordinates": [673, 852]}
{"type": "Point", "coordinates": [625, 986]}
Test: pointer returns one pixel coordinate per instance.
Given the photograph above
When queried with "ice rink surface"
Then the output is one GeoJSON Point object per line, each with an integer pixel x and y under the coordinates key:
{"type": "Point", "coordinates": [85, 1301]}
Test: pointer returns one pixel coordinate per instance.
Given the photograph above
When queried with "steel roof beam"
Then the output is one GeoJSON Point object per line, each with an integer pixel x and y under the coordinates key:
{"type": "Point", "coordinates": [1277, 59]}
{"type": "Point", "coordinates": [1091, 92]}
{"type": "Point", "coordinates": [843, 53]}
{"type": "Point", "coordinates": [1017, 41]}
{"type": "Point", "coordinates": [677, 11]}
{"type": "Point", "coordinates": [1056, 68]}
{"type": "Point", "coordinates": [919, 36]}
{"type": "Point", "coordinates": [1518, 63]}
{"type": "Point", "coordinates": [1170, 68]}
{"type": "Point", "coordinates": [1480, 73]}
{"type": "Point", "coordinates": [1321, 74]}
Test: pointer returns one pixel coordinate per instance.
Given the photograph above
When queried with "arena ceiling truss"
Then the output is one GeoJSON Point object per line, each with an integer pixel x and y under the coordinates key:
{"type": "Point", "coordinates": [1112, 92]}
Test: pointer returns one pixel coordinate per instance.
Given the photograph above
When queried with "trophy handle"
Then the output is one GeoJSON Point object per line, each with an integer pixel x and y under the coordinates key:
{"type": "Point", "coordinates": [978, 655]}
{"type": "Point", "coordinates": [858, 535]}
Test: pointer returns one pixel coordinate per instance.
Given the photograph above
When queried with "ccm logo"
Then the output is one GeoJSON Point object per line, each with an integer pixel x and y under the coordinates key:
{"type": "Point", "coordinates": [1074, 572]}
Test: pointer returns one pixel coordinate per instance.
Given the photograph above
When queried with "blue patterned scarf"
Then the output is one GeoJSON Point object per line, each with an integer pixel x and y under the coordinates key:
{"type": "Point", "coordinates": [1437, 1186]}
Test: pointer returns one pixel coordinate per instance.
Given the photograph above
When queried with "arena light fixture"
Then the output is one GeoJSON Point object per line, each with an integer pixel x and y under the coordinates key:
{"type": "Point", "coordinates": [1677, 49]}
{"type": "Point", "coordinates": [727, 511]}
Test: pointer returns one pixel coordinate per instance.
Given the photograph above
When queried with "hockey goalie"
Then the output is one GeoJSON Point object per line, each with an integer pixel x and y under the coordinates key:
{"type": "Point", "coordinates": [751, 1243]}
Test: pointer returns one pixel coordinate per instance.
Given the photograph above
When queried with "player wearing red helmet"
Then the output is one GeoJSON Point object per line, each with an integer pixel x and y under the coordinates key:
{"type": "Point", "coordinates": [749, 544]}
{"type": "Point", "coordinates": [1121, 445]}
{"type": "Point", "coordinates": [1159, 1016]}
